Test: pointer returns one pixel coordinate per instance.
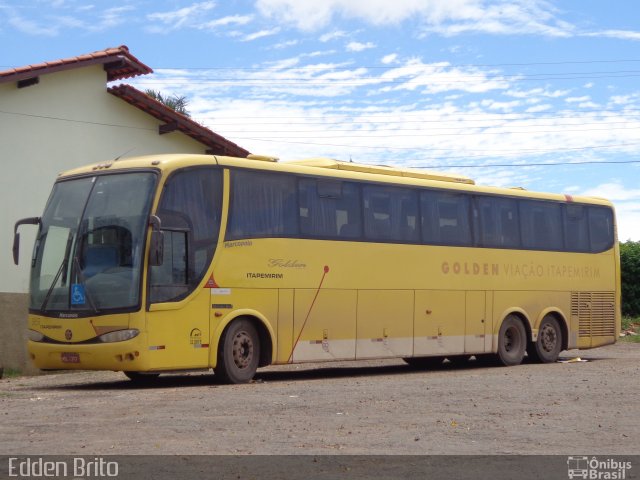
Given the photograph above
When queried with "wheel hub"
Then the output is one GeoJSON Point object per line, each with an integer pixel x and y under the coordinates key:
{"type": "Point", "coordinates": [242, 350]}
{"type": "Point", "coordinates": [510, 340]}
{"type": "Point", "coordinates": [548, 338]}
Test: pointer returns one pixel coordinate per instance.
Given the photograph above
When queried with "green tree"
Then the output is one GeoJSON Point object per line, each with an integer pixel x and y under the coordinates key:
{"type": "Point", "coordinates": [175, 102]}
{"type": "Point", "coordinates": [630, 272]}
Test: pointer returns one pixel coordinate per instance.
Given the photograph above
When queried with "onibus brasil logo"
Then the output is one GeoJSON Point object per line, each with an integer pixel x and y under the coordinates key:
{"type": "Point", "coordinates": [596, 469]}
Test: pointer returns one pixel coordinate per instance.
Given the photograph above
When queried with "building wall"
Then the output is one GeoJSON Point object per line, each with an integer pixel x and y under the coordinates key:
{"type": "Point", "coordinates": [66, 120]}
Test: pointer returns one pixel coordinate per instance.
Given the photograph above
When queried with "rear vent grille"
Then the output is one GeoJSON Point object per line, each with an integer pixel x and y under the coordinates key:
{"type": "Point", "coordinates": [596, 313]}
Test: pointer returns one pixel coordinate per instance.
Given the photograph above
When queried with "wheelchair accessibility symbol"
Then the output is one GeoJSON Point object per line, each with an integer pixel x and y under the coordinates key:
{"type": "Point", "coordinates": [77, 294]}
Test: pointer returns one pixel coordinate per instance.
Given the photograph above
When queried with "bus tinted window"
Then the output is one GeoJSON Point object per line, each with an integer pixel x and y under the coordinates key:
{"type": "Point", "coordinates": [497, 222]}
{"type": "Point", "coordinates": [262, 205]}
{"type": "Point", "coordinates": [329, 209]}
{"type": "Point", "coordinates": [390, 214]}
{"type": "Point", "coordinates": [445, 218]}
{"type": "Point", "coordinates": [541, 225]}
{"type": "Point", "coordinates": [600, 228]}
{"type": "Point", "coordinates": [190, 211]}
{"type": "Point", "coordinates": [576, 228]}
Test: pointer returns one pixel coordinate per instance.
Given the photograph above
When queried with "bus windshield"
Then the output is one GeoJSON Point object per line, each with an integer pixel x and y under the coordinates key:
{"type": "Point", "coordinates": [88, 254]}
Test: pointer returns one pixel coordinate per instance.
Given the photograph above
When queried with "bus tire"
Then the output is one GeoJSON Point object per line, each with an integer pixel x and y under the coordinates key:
{"type": "Point", "coordinates": [424, 362]}
{"type": "Point", "coordinates": [547, 347]}
{"type": "Point", "coordinates": [239, 353]}
{"type": "Point", "coordinates": [141, 378]}
{"type": "Point", "coordinates": [512, 341]}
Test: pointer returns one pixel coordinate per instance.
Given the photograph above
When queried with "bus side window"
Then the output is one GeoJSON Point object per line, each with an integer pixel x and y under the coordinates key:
{"type": "Point", "coordinates": [541, 224]}
{"type": "Point", "coordinates": [498, 224]}
{"type": "Point", "coordinates": [445, 218]}
{"type": "Point", "coordinates": [317, 213]}
{"type": "Point", "coordinates": [576, 228]}
{"type": "Point", "coordinates": [262, 205]}
{"type": "Point", "coordinates": [390, 214]}
{"type": "Point", "coordinates": [348, 212]}
{"type": "Point", "coordinates": [328, 209]}
{"type": "Point", "coordinates": [600, 228]}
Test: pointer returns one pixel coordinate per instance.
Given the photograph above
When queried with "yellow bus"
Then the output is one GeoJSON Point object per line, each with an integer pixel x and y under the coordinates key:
{"type": "Point", "coordinates": [184, 262]}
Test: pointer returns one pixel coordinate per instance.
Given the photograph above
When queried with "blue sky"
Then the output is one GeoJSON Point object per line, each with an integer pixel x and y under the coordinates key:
{"type": "Point", "coordinates": [538, 94]}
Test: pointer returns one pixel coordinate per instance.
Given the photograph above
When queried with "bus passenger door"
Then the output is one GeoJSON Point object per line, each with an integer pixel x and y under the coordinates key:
{"type": "Point", "coordinates": [475, 322]}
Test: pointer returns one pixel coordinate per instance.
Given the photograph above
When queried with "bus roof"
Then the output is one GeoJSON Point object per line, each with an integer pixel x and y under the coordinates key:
{"type": "Point", "coordinates": [323, 167]}
{"type": "Point", "coordinates": [381, 170]}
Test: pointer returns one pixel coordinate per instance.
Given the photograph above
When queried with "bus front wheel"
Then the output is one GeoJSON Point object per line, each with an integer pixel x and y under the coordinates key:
{"type": "Point", "coordinates": [547, 348]}
{"type": "Point", "coordinates": [239, 353]}
{"type": "Point", "coordinates": [512, 341]}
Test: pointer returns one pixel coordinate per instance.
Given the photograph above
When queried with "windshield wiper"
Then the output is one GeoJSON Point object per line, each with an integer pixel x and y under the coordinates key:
{"type": "Point", "coordinates": [53, 284]}
{"type": "Point", "coordinates": [65, 260]}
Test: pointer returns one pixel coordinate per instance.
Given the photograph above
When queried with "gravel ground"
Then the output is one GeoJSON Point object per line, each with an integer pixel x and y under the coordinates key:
{"type": "Point", "coordinates": [373, 407]}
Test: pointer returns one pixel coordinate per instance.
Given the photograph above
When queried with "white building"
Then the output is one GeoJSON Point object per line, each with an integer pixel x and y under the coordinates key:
{"type": "Point", "coordinates": [61, 114]}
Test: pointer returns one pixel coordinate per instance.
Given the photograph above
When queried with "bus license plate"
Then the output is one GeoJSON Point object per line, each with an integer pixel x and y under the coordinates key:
{"type": "Point", "coordinates": [70, 357]}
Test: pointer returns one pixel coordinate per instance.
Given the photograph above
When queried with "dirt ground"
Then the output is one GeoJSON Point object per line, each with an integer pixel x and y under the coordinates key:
{"type": "Point", "coordinates": [374, 407]}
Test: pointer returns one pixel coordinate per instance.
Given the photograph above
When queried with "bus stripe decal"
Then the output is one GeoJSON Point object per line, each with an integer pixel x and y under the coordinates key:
{"type": "Point", "coordinates": [324, 274]}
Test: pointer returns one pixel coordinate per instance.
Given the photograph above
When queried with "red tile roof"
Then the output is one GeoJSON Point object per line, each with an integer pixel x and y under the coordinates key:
{"type": "Point", "coordinates": [175, 121]}
{"type": "Point", "coordinates": [118, 63]}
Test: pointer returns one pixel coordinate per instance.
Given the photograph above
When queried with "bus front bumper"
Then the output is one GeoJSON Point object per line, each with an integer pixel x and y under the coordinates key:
{"type": "Point", "coordinates": [117, 356]}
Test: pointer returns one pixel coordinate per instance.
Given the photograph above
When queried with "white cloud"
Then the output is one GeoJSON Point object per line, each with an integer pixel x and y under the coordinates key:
{"type": "Point", "coordinates": [538, 108]}
{"type": "Point", "coordinates": [618, 34]}
{"type": "Point", "coordinates": [285, 44]}
{"type": "Point", "coordinates": [225, 21]}
{"type": "Point", "coordinates": [441, 77]}
{"type": "Point", "coordinates": [359, 47]}
{"type": "Point", "coordinates": [447, 17]}
{"type": "Point", "coordinates": [332, 36]}
{"type": "Point", "coordinates": [260, 34]}
{"type": "Point", "coordinates": [112, 17]}
{"type": "Point", "coordinates": [584, 98]}
{"type": "Point", "coordinates": [54, 24]}
{"type": "Point", "coordinates": [536, 92]}
{"type": "Point", "coordinates": [31, 27]}
{"type": "Point", "coordinates": [614, 191]}
{"type": "Point", "coordinates": [391, 58]}
{"type": "Point", "coordinates": [182, 17]}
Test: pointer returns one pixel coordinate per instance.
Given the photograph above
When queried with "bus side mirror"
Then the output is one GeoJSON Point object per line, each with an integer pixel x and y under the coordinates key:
{"type": "Point", "coordinates": [16, 248]}
{"type": "Point", "coordinates": [16, 235]}
{"type": "Point", "coordinates": [156, 248]}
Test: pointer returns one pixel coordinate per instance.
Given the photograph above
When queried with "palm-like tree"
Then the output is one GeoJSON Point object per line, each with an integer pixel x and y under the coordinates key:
{"type": "Point", "coordinates": [175, 102]}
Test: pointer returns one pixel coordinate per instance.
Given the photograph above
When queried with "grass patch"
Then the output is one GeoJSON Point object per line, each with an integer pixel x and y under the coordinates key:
{"type": "Point", "coordinates": [11, 373]}
{"type": "Point", "coordinates": [631, 324]}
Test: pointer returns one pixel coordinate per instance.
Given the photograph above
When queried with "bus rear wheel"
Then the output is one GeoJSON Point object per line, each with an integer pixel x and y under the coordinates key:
{"type": "Point", "coordinates": [512, 341]}
{"type": "Point", "coordinates": [547, 347]}
{"type": "Point", "coordinates": [424, 362]}
{"type": "Point", "coordinates": [239, 353]}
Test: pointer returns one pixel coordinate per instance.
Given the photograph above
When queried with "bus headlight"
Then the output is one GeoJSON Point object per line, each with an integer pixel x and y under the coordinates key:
{"type": "Point", "coordinates": [119, 336]}
{"type": "Point", "coordinates": [35, 336]}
